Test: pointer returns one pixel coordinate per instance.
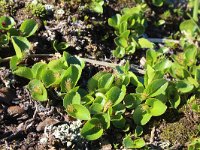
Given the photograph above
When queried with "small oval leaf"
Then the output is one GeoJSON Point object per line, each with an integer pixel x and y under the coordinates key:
{"type": "Point", "coordinates": [78, 111]}
{"type": "Point", "coordinates": [37, 90]}
{"type": "Point", "coordinates": [28, 27]}
{"type": "Point", "coordinates": [92, 129]}
{"type": "Point", "coordinates": [24, 72]}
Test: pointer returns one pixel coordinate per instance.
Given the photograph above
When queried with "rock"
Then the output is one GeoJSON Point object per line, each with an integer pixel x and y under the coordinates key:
{"type": "Point", "coordinates": [46, 122]}
{"type": "Point", "coordinates": [15, 110]}
{"type": "Point", "coordinates": [6, 96]}
{"type": "Point", "coordinates": [106, 145]}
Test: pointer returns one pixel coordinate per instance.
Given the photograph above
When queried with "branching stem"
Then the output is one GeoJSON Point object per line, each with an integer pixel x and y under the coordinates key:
{"type": "Point", "coordinates": [133, 67]}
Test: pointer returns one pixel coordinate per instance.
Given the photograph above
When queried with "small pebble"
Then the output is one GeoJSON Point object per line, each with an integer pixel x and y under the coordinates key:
{"type": "Point", "coordinates": [46, 122]}
{"type": "Point", "coordinates": [15, 110]}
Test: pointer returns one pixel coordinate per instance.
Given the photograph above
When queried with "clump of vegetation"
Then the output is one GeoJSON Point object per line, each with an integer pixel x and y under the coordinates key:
{"type": "Point", "coordinates": [170, 78]}
{"type": "Point", "coordinates": [179, 131]}
{"type": "Point", "coordinates": [37, 9]}
{"type": "Point", "coordinates": [194, 144]}
{"type": "Point", "coordinates": [7, 7]}
{"type": "Point", "coordinates": [18, 37]}
{"type": "Point", "coordinates": [96, 6]}
{"type": "Point", "coordinates": [129, 26]}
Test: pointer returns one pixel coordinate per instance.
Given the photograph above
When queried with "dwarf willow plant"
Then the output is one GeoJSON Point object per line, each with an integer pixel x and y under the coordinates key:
{"type": "Point", "coordinates": [62, 73]}
{"type": "Point", "coordinates": [106, 101]}
{"type": "Point", "coordinates": [18, 37]}
{"type": "Point", "coordinates": [170, 79]}
{"type": "Point", "coordinates": [129, 27]}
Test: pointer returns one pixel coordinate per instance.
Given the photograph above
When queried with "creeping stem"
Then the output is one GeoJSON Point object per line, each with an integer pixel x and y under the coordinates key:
{"type": "Point", "coordinates": [195, 10]}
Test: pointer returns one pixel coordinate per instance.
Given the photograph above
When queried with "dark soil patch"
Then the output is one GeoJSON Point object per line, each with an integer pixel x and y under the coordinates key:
{"type": "Point", "coordinates": [20, 115]}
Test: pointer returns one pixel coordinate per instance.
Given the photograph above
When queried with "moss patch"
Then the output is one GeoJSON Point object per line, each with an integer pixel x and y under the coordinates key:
{"type": "Point", "coordinates": [182, 131]}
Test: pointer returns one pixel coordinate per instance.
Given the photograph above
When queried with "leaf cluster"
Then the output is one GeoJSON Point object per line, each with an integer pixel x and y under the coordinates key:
{"type": "Point", "coordinates": [129, 26]}
{"type": "Point", "coordinates": [111, 99]}
{"type": "Point", "coordinates": [37, 9]}
{"type": "Point", "coordinates": [18, 37]}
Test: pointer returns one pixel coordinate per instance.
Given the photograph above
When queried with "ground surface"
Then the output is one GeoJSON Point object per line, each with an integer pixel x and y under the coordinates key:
{"type": "Point", "coordinates": [22, 120]}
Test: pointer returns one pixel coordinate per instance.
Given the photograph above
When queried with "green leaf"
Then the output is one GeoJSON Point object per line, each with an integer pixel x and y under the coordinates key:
{"type": "Point", "coordinates": [125, 35]}
{"type": "Point", "coordinates": [92, 129]}
{"type": "Point", "coordinates": [71, 97]}
{"type": "Point", "coordinates": [132, 100]}
{"type": "Point", "coordinates": [144, 43]}
{"type": "Point", "coordinates": [184, 86]}
{"type": "Point", "coordinates": [104, 119]}
{"type": "Point", "coordinates": [60, 46]}
{"type": "Point", "coordinates": [20, 44]}
{"type": "Point", "coordinates": [100, 98]}
{"type": "Point", "coordinates": [156, 108]}
{"type": "Point", "coordinates": [96, 108]}
{"type": "Point", "coordinates": [138, 131]}
{"type": "Point", "coordinates": [87, 99]}
{"type": "Point", "coordinates": [35, 68]}
{"type": "Point", "coordinates": [93, 82]}
{"type": "Point", "coordinates": [115, 95]}
{"type": "Point", "coordinates": [74, 60]}
{"type": "Point", "coordinates": [122, 79]}
{"type": "Point", "coordinates": [129, 143]}
{"type": "Point", "coordinates": [119, 109]}
{"type": "Point", "coordinates": [197, 75]}
{"type": "Point", "coordinates": [48, 78]}
{"type": "Point", "coordinates": [176, 101]}
{"type": "Point", "coordinates": [114, 21]}
{"type": "Point", "coordinates": [4, 39]}
{"type": "Point", "coordinates": [96, 7]}
{"type": "Point", "coordinates": [123, 69]}
{"type": "Point", "coordinates": [134, 79]}
{"type": "Point", "coordinates": [158, 3]}
{"type": "Point", "coordinates": [13, 32]}
{"type": "Point", "coordinates": [58, 64]}
{"type": "Point", "coordinates": [37, 90]}
{"type": "Point", "coordinates": [6, 22]}
{"type": "Point", "coordinates": [178, 71]}
{"type": "Point", "coordinates": [156, 88]}
{"type": "Point", "coordinates": [149, 75]}
{"type": "Point", "coordinates": [28, 27]}
{"type": "Point", "coordinates": [139, 143]}
{"type": "Point", "coordinates": [14, 61]}
{"type": "Point", "coordinates": [39, 70]}
{"type": "Point", "coordinates": [119, 52]}
{"type": "Point", "coordinates": [118, 121]}
{"type": "Point", "coordinates": [24, 72]}
{"type": "Point", "coordinates": [141, 115]}
{"type": "Point", "coordinates": [151, 57]}
{"type": "Point", "coordinates": [71, 77]}
{"type": "Point", "coordinates": [192, 81]}
{"type": "Point", "coordinates": [179, 58]}
{"type": "Point", "coordinates": [188, 26]}
{"type": "Point", "coordinates": [173, 96]}
{"type": "Point", "coordinates": [122, 28]}
{"type": "Point", "coordinates": [131, 49]}
{"type": "Point", "coordinates": [131, 22]}
{"type": "Point", "coordinates": [121, 42]}
{"type": "Point", "coordinates": [190, 55]}
{"type": "Point", "coordinates": [106, 81]}
{"type": "Point", "coordinates": [163, 65]}
{"type": "Point", "coordinates": [78, 111]}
